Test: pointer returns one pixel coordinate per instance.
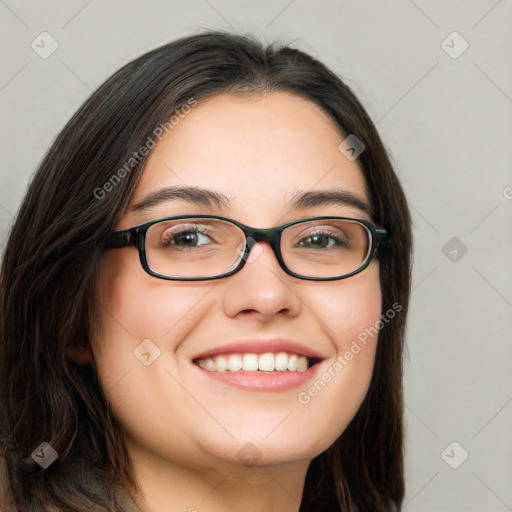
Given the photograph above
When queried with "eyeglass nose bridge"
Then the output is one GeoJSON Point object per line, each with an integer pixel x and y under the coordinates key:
{"type": "Point", "coordinates": [270, 235]}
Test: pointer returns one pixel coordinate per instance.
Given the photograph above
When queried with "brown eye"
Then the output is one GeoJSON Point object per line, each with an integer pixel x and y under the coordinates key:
{"type": "Point", "coordinates": [186, 239]}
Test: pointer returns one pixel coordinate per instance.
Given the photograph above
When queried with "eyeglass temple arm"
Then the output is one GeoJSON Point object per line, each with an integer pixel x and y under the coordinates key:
{"type": "Point", "coordinates": [382, 235]}
{"type": "Point", "coordinates": [119, 239]}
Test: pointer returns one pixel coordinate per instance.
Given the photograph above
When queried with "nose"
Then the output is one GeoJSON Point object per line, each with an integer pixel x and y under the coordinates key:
{"type": "Point", "coordinates": [261, 287]}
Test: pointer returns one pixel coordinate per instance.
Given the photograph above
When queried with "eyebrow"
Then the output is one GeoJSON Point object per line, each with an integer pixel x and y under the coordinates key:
{"type": "Point", "coordinates": [303, 199]}
{"type": "Point", "coordinates": [195, 195]}
{"type": "Point", "coordinates": [209, 198]}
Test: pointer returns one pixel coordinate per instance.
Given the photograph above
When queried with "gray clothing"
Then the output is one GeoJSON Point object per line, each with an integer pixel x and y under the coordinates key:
{"type": "Point", "coordinates": [124, 502]}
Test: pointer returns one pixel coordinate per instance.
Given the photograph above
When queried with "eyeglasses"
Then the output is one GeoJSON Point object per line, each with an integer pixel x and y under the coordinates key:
{"type": "Point", "coordinates": [202, 247]}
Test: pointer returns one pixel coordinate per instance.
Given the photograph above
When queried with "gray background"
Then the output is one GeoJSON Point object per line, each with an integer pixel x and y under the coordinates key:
{"type": "Point", "coordinates": [447, 123]}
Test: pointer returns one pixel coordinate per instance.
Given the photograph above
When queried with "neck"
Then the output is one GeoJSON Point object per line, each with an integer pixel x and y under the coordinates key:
{"type": "Point", "coordinates": [216, 486]}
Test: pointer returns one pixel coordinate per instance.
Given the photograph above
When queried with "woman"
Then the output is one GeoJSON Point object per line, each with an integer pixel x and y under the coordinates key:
{"type": "Point", "coordinates": [193, 291]}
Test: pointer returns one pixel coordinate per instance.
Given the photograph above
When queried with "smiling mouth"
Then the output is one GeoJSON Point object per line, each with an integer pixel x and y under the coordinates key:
{"type": "Point", "coordinates": [267, 362]}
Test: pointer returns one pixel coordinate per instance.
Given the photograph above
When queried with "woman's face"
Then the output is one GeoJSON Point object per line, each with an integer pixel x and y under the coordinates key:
{"type": "Point", "coordinates": [259, 152]}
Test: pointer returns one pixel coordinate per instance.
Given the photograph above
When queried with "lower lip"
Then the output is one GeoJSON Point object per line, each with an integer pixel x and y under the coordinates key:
{"type": "Point", "coordinates": [263, 381]}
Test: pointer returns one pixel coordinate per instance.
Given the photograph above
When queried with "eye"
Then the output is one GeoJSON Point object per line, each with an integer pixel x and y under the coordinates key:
{"type": "Point", "coordinates": [186, 236]}
{"type": "Point", "coordinates": [324, 240]}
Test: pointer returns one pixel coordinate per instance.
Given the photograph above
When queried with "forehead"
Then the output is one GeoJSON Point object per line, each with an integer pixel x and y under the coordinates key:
{"type": "Point", "coordinates": [259, 151]}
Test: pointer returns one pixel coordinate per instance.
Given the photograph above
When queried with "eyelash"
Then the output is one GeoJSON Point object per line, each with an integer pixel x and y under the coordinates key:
{"type": "Point", "coordinates": [328, 233]}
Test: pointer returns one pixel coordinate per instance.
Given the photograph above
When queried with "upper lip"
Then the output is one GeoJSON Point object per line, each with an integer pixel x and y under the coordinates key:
{"type": "Point", "coordinates": [260, 346]}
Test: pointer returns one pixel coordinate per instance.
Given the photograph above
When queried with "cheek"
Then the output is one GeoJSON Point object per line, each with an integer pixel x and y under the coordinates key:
{"type": "Point", "coordinates": [350, 308]}
{"type": "Point", "coordinates": [142, 324]}
{"type": "Point", "coordinates": [350, 314]}
{"type": "Point", "coordinates": [133, 320]}
{"type": "Point", "coordinates": [143, 321]}
{"type": "Point", "coordinates": [136, 306]}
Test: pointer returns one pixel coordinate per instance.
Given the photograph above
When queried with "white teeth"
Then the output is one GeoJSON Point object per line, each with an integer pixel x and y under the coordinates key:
{"type": "Point", "coordinates": [207, 364]}
{"type": "Point", "coordinates": [250, 362]}
{"type": "Point", "coordinates": [221, 363]}
{"type": "Point", "coordinates": [281, 362]}
{"type": "Point", "coordinates": [235, 362]}
{"type": "Point", "coordinates": [266, 362]}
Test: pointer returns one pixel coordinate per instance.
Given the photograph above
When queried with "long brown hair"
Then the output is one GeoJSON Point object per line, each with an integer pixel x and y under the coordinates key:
{"type": "Point", "coordinates": [48, 280]}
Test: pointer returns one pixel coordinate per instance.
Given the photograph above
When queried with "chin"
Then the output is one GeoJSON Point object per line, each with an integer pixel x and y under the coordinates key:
{"type": "Point", "coordinates": [277, 449]}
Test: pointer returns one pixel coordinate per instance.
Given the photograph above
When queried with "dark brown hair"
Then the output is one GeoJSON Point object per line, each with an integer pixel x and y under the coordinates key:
{"type": "Point", "coordinates": [48, 281]}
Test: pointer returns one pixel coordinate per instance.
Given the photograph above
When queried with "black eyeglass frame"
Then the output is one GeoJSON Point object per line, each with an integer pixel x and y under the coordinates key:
{"type": "Point", "coordinates": [136, 236]}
